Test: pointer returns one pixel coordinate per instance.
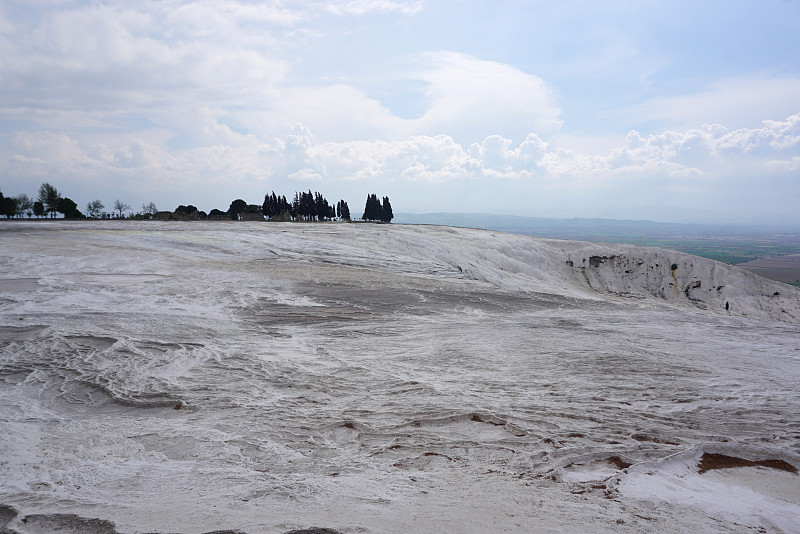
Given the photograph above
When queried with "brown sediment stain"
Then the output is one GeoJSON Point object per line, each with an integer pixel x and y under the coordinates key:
{"type": "Point", "coordinates": [618, 462]}
{"type": "Point", "coordinates": [478, 419]}
{"type": "Point", "coordinates": [711, 461]}
{"type": "Point", "coordinates": [653, 438]}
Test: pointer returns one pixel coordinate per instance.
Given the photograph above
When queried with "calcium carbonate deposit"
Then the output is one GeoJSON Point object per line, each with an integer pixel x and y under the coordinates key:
{"type": "Point", "coordinates": [269, 377]}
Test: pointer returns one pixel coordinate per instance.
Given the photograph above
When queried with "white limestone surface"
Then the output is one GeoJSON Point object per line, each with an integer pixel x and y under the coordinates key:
{"type": "Point", "coordinates": [189, 377]}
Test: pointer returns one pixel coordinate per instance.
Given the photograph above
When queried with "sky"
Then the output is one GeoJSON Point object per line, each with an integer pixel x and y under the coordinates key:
{"type": "Point", "coordinates": [679, 111]}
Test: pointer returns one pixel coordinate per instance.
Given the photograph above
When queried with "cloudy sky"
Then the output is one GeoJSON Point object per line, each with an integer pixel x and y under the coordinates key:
{"type": "Point", "coordinates": [679, 110]}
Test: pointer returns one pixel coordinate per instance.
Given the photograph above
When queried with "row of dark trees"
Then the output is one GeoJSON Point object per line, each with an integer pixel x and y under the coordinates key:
{"type": "Point", "coordinates": [94, 210]}
{"type": "Point", "coordinates": [48, 202]}
{"type": "Point", "coordinates": [16, 206]}
{"type": "Point", "coordinates": [375, 211]}
{"type": "Point", "coordinates": [343, 210]}
{"type": "Point", "coordinates": [305, 206]}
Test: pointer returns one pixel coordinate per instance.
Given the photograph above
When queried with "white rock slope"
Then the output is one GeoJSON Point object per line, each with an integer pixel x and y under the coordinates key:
{"type": "Point", "coordinates": [251, 377]}
{"type": "Point", "coordinates": [581, 269]}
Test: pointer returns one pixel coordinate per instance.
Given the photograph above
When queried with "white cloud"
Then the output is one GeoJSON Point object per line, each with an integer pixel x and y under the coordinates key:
{"type": "Point", "coordinates": [784, 165]}
{"type": "Point", "coordinates": [710, 148]}
{"type": "Point", "coordinates": [736, 102]}
{"type": "Point", "coordinates": [90, 64]}
{"type": "Point", "coordinates": [466, 97]}
{"type": "Point", "coordinates": [426, 158]}
{"type": "Point", "coordinates": [712, 155]}
{"type": "Point", "coordinates": [202, 19]}
{"type": "Point", "coordinates": [476, 98]}
{"type": "Point", "coordinates": [334, 112]}
{"type": "Point", "coordinates": [108, 57]}
{"type": "Point", "coordinates": [499, 159]}
{"type": "Point", "coordinates": [737, 170]}
{"type": "Point", "coordinates": [362, 7]}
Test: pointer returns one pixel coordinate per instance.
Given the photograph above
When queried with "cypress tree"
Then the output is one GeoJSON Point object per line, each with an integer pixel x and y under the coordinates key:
{"type": "Point", "coordinates": [386, 211]}
{"type": "Point", "coordinates": [296, 206]}
{"type": "Point", "coordinates": [342, 210]}
{"type": "Point", "coordinates": [372, 209]}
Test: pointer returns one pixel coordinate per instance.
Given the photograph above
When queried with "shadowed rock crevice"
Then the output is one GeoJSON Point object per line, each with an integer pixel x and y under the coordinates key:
{"type": "Point", "coordinates": [7, 513]}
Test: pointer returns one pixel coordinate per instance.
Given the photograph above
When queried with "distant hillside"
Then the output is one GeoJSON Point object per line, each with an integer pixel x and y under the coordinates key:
{"type": "Point", "coordinates": [725, 243]}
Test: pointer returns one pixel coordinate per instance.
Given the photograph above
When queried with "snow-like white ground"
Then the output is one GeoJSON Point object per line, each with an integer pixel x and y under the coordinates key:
{"type": "Point", "coordinates": [387, 379]}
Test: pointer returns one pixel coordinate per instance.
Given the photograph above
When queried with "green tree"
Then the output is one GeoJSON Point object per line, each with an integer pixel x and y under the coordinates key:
{"type": "Point", "coordinates": [343, 210]}
{"type": "Point", "coordinates": [189, 212]}
{"type": "Point", "coordinates": [49, 197]}
{"type": "Point", "coordinates": [94, 208]}
{"type": "Point", "coordinates": [69, 208]}
{"type": "Point", "coordinates": [8, 206]}
{"type": "Point", "coordinates": [372, 209]}
{"type": "Point", "coordinates": [236, 208]}
{"type": "Point", "coordinates": [386, 211]}
{"type": "Point", "coordinates": [121, 207]}
{"type": "Point", "coordinates": [275, 206]}
{"type": "Point", "coordinates": [38, 208]}
{"type": "Point", "coordinates": [186, 210]}
{"type": "Point", "coordinates": [24, 204]}
{"type": "Point", "coordinates": [149, 209]}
